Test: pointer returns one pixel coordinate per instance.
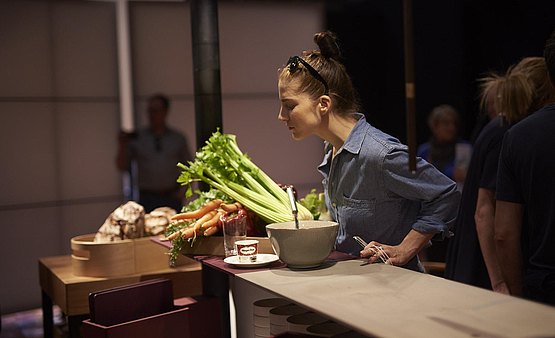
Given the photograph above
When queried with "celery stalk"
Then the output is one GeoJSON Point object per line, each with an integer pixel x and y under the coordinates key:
{"type": "Point", "coordinates": [222, 165]}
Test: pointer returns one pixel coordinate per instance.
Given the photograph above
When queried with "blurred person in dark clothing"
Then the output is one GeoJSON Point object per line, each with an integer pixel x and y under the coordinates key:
{"type": "Point", "coordinates": [156, 149]}
{"type": "Point", "coordinates": [441, 149]}
{"type": "Point", "coordinates": [525, 206]}
{"type": "Point", "coordinates": [471, 256]}
{"type": "Point", "coordinates": [450, 155]}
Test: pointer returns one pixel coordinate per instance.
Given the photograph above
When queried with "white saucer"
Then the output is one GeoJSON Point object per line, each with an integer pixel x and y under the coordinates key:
{"type": "Point", "coordinates": [261, 260]}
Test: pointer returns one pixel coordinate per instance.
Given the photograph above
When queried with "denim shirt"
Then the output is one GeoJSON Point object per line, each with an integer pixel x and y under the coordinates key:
{"type": "Point", "coordinates": [372, 193]}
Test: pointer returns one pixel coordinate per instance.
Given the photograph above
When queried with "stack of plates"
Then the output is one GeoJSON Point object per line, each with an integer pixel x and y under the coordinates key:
{"type": "Point", "coordinates": [300, 323]}
{"type": "Point", "coordinates": [279, 315]}
{"type": "Point", "coordinates": [261, 315]}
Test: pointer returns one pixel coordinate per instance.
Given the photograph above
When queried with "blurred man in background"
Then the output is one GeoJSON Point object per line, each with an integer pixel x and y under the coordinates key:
{"type": "Point", "coordinates": [156, 149]}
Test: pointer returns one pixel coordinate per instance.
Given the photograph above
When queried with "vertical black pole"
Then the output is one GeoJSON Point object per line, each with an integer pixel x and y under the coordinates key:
{"type": "Point", "coordinates": [206, 68]}
{"type": "Point", "coordinates": [47, 315]}
{"type": "Point", "coordinates": [208, 115]}
{"type": "Point", "coordinates": [409, 84]}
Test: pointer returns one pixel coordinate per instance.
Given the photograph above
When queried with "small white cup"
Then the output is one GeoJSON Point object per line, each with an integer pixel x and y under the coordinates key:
{"type": "Point", "coordinates": [247, 250]}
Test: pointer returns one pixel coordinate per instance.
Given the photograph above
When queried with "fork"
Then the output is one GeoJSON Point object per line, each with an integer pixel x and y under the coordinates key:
{"type": "Point", "coordinates": [378, 249]}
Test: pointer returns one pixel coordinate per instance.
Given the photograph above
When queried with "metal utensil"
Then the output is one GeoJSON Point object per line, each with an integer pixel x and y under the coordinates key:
{"type": "Point", "coordinates": [384, 257]}
{"type": "Point", "coordinates": [294, 209]}
{"type": "Point", "coordinates": [360, 241]}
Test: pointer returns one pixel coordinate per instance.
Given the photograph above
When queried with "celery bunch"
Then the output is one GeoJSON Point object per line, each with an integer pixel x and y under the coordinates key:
{"type": "Point", "coordinates": [315, 202]}
{"type": "Point", "coordinates": [223, 166]}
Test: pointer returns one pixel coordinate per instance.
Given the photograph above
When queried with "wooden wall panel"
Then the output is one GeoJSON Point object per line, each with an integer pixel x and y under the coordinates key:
{"type": "Point", "coordinates": [59, 110]}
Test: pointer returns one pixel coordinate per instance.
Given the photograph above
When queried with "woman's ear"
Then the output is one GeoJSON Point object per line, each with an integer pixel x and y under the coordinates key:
{"type": "Point", "coordinates": [324, 104]}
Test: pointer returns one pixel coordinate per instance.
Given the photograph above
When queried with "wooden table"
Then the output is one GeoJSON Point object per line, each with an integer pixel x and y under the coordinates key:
{"type": "Point", "coordinates": [60, 287]}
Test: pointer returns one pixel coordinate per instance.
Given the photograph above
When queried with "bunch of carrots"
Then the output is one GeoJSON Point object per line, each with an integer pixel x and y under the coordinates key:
{"type": "Point", "coordinates": [206, 220]}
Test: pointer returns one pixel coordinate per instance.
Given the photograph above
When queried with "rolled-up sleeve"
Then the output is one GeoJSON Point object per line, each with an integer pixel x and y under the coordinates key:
{"type": "Point", "coordinates": [437, 194]}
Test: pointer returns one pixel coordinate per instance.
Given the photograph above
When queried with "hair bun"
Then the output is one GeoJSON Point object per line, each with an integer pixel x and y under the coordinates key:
{"type": "Point", "coordinates": [327, 43]}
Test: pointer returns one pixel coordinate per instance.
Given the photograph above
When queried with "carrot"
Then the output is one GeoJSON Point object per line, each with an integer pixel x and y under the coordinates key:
{"type": "Point", "coordinates": [187, 232]}
{"type": "Point", "coordinates": [212, 221]}
{"type": "Point", "coordinates": [207, 207]}
{"type": "Point", "coordinates": [195, 228]}
{"type": "Point", "coordinates": [207, 217]}
{"type": "Point", "coordinates": [211, 231]}
{"type": "Point", "coordinates": [173, 236]}
{"type": "Point", "coordinates": [232, 207]}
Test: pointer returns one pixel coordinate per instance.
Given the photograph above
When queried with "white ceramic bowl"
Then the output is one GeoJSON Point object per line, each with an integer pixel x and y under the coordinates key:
{"type": "Point", "coordinates": [305, 247]}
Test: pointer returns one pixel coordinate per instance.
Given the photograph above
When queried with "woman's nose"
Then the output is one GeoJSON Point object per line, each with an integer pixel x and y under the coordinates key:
{"type": "Point", "coordinates": [282, 116]}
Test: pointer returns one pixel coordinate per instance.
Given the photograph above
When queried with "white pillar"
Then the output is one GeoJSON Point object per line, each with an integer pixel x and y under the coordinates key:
{"type": "Point", "coordinates": [125, 90]}
{"type": "Point", "coordinates": [124, 66]}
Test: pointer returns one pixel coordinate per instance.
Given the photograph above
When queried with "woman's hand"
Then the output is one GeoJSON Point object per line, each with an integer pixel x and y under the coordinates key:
{"type": "Point", "coordinates": [397, 256]}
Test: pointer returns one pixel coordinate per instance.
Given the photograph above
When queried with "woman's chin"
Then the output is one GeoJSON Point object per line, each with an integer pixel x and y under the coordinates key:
{"type": "Point", "coordinates": [297, 136]}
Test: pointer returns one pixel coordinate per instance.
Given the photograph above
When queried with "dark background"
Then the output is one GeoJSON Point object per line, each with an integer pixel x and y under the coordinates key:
{"type": "Point", "coordinates": [455, 43]}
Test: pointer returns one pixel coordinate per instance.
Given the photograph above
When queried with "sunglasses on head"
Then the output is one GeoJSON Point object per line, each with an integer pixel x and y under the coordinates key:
{"type": "Point", "coordinates": [293, 66]}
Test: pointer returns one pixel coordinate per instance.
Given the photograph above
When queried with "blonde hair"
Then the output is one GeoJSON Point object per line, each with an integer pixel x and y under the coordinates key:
{"type": "Point", "coordinates": [489, 89]}
{"type": "Point", "coordinates": [516, 96]}
{"type": "Point", "coordinates": [535, 69]}
{"type": "Point", "coordinates": [525, 89]}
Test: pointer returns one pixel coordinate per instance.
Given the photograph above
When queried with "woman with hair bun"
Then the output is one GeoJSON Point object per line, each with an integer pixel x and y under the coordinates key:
{"type": "Point", "coordinates": [368, 186]}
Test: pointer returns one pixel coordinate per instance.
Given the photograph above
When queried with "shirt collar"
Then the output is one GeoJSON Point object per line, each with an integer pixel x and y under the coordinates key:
{"type": "Point", "coordinates": [353, 143]}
